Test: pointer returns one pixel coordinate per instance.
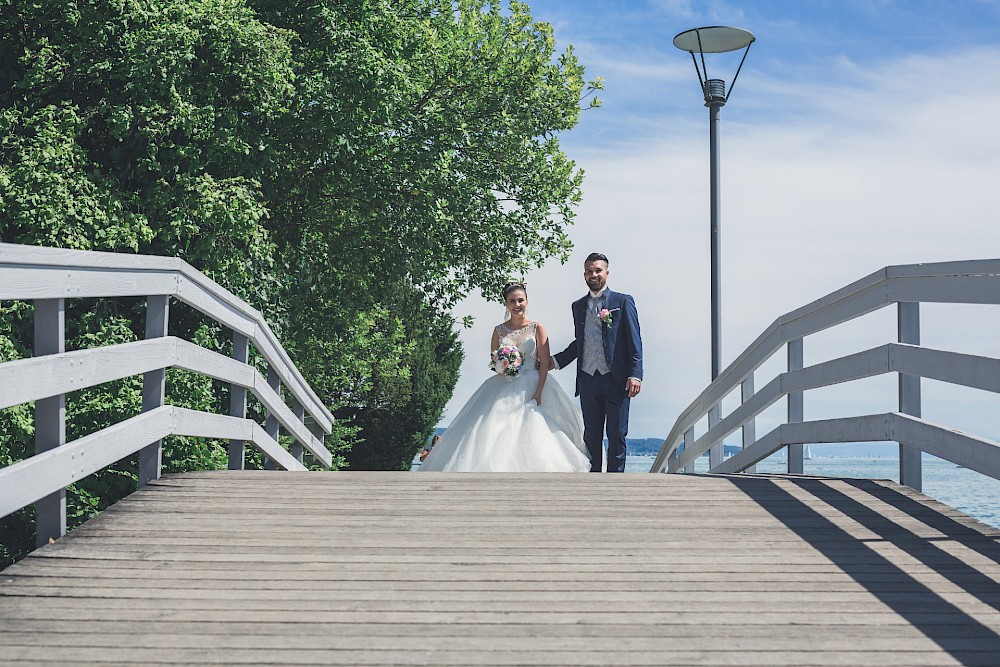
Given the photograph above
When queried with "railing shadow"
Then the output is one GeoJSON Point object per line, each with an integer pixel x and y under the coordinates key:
{"type": "Point", "coordinates": [985, 544]}
{"type": "Point", "coordinates": [961, 635]}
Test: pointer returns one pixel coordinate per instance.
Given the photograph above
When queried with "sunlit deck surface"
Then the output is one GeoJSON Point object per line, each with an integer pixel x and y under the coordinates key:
{"type": "Point", "coordinates": [499, 569]}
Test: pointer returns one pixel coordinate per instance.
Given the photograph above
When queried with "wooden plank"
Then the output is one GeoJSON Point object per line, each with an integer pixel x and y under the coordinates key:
{"type": "Point", "coordinates": [147, 631]}
{"type": "Point", "coordinates": [18, 281]}
{"type": "Point", "coordinates": [971, 289]}
{"type": "Point", "coordinates": [31, 379]}
{"type": "Point", "coordinates": [865, 428]}
{"type": "Point", "coordinates": [26, 481]}
{"type": "Point", "coordinates": [224, 427]}
{"type": "Point", "coordinates": [846, 615]}
{"type": "Point", "coordinates": [967, 370]}
{"type": "Point", "coordinates": [970, 267]}
{"type": "Point", "coordinates": [423, 638]}
{"type": "Point", "coordinates": [510, 656]}
{"type": "Point", "coordinates": [26, 380]}
{"type": "Point", "coordinates": [372, 588]}
{"type": "Point", "coordinates": [975, 453]}
{"type": "Point", "coordinates": [225, 568]}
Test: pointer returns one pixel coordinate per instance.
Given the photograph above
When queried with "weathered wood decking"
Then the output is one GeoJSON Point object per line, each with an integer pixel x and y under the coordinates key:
{"type": "Point", "coordinates": [402, 568]}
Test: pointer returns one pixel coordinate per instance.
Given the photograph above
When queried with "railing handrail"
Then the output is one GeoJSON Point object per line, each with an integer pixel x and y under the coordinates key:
{"type": "Point", "coordinates": [966, 370]}
{"type": "Point", "coordinates": [976, 453]}
{"type": "Point", "coordinates": [50, 276]}
{"type": "Point", "coordinates": [40, 377]}
{"type": "Point", "coordinates": [36, 477]}
{"type": "Point", "coordinates": [34, 272]}
{"type": "Point", "coordinates": [967, 281]}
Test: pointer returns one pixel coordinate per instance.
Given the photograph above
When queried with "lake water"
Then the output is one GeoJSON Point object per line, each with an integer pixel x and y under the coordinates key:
{"type": "Point", "coordinates": [974, 494]}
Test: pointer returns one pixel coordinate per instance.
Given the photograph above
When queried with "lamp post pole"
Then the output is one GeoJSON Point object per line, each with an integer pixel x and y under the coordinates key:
{"type": "Point", "coordinates": [715, 39]}
{"type": "Point", "coordinates": [716, 238]}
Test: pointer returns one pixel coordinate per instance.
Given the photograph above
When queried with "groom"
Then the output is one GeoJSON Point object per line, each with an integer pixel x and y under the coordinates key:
{"type": "Point", "coordinates": [608, 354]}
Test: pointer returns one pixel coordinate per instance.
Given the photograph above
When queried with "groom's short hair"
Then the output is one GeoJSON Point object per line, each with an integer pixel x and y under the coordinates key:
{"type": "Point", "coordinates": [597, 257]}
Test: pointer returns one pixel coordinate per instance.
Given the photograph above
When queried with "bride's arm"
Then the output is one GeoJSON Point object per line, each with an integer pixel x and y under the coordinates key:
{"type": "Point", "coordinates": [542, 346]}
{"type": "Point", "coordinates": [495, 345]}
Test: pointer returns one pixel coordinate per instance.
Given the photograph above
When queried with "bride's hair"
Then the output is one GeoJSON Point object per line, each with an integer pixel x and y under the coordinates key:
{"type": "Point", "coordinates": [512, 286]}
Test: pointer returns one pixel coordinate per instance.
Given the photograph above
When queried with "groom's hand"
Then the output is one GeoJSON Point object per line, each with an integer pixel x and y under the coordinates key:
{"type": "Point", "coordinates": [633, 387]}
{"type": "Point", "coordinates": [552, 363]}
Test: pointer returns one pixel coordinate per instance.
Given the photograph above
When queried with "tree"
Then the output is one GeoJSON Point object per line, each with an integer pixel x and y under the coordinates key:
{"type": "Point", "coordinates": [350, 168]}
{"type": "Point", "coordinates": [423, 150]}
{"type": "Point", "coordinates": [114, 136]}
{"type": "Point", "coordinates": [403, 408]}
{"type": "Point", "coordinates": [425, 143]}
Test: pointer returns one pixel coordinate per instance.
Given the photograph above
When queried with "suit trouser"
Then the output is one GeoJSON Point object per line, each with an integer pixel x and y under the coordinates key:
{"type": "Point", "coordinates": [604, 401]}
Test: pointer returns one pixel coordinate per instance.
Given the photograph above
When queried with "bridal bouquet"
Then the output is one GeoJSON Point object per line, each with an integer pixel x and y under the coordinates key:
{"type": "Point", "coordinates": [506, 360]}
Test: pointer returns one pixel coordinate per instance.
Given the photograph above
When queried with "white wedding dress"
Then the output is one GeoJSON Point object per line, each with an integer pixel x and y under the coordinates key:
{"type": "Point", "coordinates": [498, 431]}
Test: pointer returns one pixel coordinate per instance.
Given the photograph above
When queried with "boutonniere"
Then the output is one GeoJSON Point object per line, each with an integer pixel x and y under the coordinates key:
{"type": "Point", "coordinates": [607, 316]}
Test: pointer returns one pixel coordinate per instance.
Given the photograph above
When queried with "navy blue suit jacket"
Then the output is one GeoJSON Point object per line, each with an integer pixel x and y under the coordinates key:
{"type": "Point", "coordinates": [622, 342]}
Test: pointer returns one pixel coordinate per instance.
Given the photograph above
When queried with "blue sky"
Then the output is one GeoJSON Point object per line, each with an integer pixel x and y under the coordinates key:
{"type": "Point", "coordinates": [859, 135]}
{"type": "Point", "coordinates": [807, 42]}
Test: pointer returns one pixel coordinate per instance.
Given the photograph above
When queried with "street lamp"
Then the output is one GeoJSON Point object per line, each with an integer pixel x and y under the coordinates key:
{"type": "Point", "coordinates": [714, 39]}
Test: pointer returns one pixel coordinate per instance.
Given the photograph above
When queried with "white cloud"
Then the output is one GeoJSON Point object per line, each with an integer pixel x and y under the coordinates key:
{"type": "Point", "coordinates": [685, 10]}
{"type": "Point", "coordinates": [900, 167]}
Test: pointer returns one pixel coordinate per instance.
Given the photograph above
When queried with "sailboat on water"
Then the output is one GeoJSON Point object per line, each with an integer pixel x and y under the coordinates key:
{"type": "Point", "coordinates": [807, 455]}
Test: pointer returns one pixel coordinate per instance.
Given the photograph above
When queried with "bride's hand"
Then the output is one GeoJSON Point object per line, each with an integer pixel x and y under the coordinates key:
{"type": "Point", "coordinates": [537, 399]}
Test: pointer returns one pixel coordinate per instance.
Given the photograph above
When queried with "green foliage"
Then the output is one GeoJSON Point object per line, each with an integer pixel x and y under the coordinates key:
{"type": "Point", "coordinates": [405, 400]}
{"type": "Point", "coordinates": [351, 168]}
{"type": "Point", "coordinates": [424, 142]}
{"type": "Point", "coordinates": [17, 432]}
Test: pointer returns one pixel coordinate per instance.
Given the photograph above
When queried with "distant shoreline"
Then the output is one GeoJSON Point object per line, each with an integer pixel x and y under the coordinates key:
{"type": "Point", "coordinates": [873, 450]}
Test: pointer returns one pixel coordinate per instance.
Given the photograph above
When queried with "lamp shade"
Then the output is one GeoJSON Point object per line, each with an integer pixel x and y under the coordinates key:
{"type": "Point", "coordinates": [713, 39]}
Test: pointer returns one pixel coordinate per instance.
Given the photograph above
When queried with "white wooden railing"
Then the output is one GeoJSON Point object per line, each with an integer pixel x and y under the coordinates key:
{"type": "Point", "coordinates": [47, 277]}
{"type": "Point", "coordinates": [968, 282]}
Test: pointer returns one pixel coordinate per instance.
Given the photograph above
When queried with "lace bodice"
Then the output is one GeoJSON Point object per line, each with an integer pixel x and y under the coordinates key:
{"type": "Point", "coordinates": [523, 338]}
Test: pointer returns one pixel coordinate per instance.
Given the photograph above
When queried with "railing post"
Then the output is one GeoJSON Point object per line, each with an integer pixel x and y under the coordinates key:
{"type": "Point", "coordinates": [908, 325]}
{"type": "Point", "coordinates": [272, 428]}
{"type": "Point", "coordinates": [238, 401]}
{"type": "Point", "coordinates": [300, 413]}
{"type": "Point", "coordinates": [750, 427]}
{"type": "Point", "coordinates": [715, 453]}
{"type": "Point", "coordinates": [317, 431]}
{"type": "Point", "coordinates": [50, 417]}
{"type": "Point", "coordinates": [154, 386]}
{"type": "Point", "coordinates": [795, 406]}
{"type": "Point", "coordinates": [688, 441]}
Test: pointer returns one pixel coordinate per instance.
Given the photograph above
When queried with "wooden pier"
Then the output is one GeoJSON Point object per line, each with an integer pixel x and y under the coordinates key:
{"type": "Point", "coordinates": [471, 569]}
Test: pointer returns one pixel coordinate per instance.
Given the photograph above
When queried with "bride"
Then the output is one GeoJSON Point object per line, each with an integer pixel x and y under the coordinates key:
{"type": "Point", "coordinates": [524, 423]}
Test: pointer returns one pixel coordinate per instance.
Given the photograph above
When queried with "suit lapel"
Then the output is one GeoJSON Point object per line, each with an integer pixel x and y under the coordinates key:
{"type": "Point", "coordinates": [580, 310]}
{"type": "Point", "coordinates": [580, 317]}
